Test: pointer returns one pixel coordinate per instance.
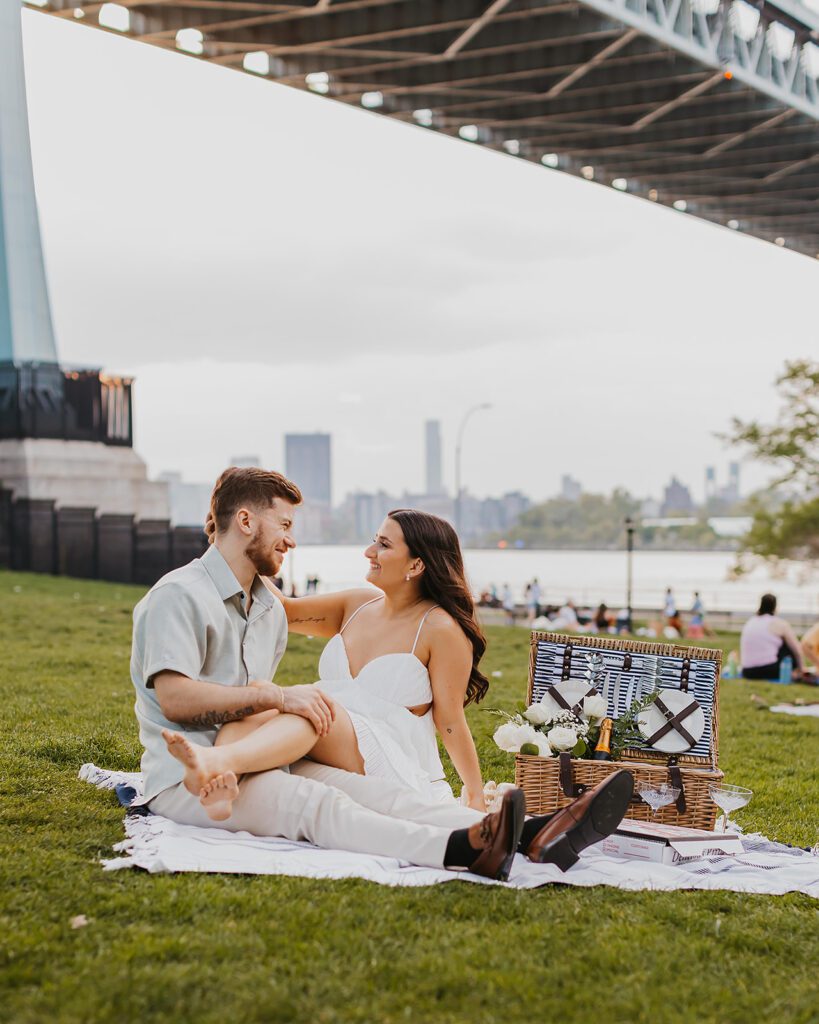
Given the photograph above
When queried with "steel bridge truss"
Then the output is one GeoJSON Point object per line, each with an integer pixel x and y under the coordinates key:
{"type": "Point", "coordinates": [709, 106]}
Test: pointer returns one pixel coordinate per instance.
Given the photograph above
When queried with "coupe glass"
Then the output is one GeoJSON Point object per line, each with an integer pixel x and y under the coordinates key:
{"type": "Point", "coordinates": [657, 794]}
{"type": "Point", "coordinates": [728, 798]}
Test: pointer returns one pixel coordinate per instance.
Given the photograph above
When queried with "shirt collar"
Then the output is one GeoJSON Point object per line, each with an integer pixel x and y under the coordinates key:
{"type": "Point", "coordinates": [226, 583]}
{"type": "Point", "coordinates": [221, 573]}
{"type": "Point", "coordinates": [262, 594]}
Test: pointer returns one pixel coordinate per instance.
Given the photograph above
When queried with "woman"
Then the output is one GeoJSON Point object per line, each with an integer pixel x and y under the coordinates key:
{"type": "Point", "coordinates": [602, 620]}
{"type": "Point", "coordinates": [398, 665]}
{"type": "Point", "coordinates": [765, 641]}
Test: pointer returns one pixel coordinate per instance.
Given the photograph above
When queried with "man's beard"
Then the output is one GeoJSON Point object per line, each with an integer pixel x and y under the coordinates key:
{"type": "Point", "coordinates": [259, 555]}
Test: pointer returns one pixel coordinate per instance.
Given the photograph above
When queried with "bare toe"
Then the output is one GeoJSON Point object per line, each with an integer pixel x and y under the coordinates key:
{"type": "Point", "coordinates": [218, 795]}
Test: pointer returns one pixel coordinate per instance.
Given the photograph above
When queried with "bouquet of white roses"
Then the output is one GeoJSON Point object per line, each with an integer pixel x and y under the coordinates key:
{"type": "Point", "coordinates": [543, 733]}
{"type": "Point", "coordinates": [537, 730]}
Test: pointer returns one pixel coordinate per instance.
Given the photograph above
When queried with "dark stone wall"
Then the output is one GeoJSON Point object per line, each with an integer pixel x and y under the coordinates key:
{"type": "Point", "coordinates": [77, 542]}
{"type": "Point", "coordinates": [152, 550]}
{"type": "Point", "coordinates": [5, 528]}
{"type": "Point", "coordinates": [187, 543]}
{"type": "Point", "coordinates": [35, 536]}
{"type": "Point", "coordinates": [115, 548]}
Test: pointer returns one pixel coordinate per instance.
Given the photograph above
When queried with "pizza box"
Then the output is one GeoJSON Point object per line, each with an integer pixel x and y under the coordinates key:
{"type": "Point", "coordinates": [668, 844]}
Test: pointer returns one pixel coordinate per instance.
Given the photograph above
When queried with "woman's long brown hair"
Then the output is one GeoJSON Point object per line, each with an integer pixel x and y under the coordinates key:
{"type": "Point", "coordinates": [443, 581]}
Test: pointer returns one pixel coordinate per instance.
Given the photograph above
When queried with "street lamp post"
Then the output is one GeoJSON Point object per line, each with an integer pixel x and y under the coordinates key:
{"type": "Point", "coordinates": [458, 445]}
{"type": "Point", "coordinates": [629, 524]}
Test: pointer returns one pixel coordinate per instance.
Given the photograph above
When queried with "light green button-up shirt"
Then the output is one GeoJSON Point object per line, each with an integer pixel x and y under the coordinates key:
{"type": "Point", "coordinates": [193, 621]}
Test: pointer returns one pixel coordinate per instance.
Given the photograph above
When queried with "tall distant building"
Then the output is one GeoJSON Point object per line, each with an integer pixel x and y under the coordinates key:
{"type": "Point", "coordinates": [677, 499]}
{"type": "Point", "coordinates": [570, 489]}
{"type": "Point", "coordinates": [435, 483]}
{"type": "Point", "coordinates": [307, 464]}
{"type": "Point", "coordinates": [710, 483]}
{"type": "Point", "coordinates": [731, 492]}
{"type": "Point", "coordinates": [722, 498]}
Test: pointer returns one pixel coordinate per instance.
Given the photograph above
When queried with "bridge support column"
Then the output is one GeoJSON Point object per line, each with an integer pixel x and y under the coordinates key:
{"type": "Point", "coordinates": [65, 436]}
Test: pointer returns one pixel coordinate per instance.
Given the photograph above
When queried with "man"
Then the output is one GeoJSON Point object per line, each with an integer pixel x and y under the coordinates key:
{"type": "Point", "coordinates": [207, 640]}
{"type": "Point", "coordinates": [534, 599]}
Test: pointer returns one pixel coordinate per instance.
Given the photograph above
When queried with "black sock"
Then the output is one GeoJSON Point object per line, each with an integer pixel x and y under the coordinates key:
{"type": "Point", "coordinates": [531, 827]}
{"type": "Point", "coordinates": [460, 853]}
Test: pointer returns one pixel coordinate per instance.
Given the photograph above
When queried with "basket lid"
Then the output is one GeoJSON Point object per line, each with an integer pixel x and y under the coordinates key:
{"type": "Point", "coordinates": [626, 670]}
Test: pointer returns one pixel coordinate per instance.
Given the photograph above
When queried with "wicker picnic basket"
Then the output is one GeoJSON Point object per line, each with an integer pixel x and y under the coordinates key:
{"type": "Point", "coordinates": [551, 783]}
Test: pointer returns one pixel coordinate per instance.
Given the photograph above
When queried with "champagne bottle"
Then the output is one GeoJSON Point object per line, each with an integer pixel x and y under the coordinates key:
{"type": "Point", "coordinates": [602, 752]}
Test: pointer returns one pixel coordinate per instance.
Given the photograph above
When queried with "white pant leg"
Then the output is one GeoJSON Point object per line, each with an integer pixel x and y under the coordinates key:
{"type": "Point", "coordinates": [389, 797]}
{"type": "Point", "coordinates": [276, 803]}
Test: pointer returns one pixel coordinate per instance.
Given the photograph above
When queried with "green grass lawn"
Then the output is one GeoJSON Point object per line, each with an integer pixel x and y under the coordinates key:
{"type": "Point", "coordinates": [260, 949]}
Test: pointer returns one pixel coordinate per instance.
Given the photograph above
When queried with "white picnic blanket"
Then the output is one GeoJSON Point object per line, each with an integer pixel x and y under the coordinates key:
{"type": "Point", "coordinates": [160, 845]}
{"type": "Point", "coordinates": [808, 710]}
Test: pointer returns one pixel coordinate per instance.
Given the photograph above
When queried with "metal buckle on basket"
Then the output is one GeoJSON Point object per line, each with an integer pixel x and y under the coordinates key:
{"type": "Point", "coordinates": [686, 670]}
{"type": "Point", "coordinates": [567, 662]}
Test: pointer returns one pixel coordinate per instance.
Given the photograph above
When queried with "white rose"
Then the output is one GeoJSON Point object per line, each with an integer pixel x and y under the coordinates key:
{"type": "Point", "coordinates": [511, 737]}
{"type": "Point", "coordinates": [561, 738]}
{"type": "Point", "coordinates": [543, 747]}
{"type": "Point", "coordinates": [537, 714]}
{"type": "Point", "coordinates": [594, 706]}
{"type": "Point", "coordinates": [506, 736]}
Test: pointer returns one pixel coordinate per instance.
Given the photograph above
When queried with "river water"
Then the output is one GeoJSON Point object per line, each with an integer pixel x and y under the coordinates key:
{"type": "Point", "coordinates": [587, 577]}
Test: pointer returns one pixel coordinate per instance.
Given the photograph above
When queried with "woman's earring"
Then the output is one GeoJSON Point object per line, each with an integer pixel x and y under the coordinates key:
{"type": "Point", "coordinates": [407, 578]}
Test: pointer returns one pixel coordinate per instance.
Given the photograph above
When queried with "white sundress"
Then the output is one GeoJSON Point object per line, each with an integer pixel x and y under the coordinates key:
{"type": "Point", "coordinates": [394, 743]}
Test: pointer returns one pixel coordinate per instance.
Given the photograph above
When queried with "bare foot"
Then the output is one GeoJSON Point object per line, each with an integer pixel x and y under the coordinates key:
{"type": "Point", "coordinates": [218, 795]}
{"type": "Point", "coordinates": [198, 768]}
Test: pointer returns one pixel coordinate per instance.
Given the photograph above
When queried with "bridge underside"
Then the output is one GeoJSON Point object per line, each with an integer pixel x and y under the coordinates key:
{"type": "Point", "coordinates": [660, 98]}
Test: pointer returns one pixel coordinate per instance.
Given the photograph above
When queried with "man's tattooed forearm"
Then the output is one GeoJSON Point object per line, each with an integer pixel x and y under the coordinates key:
{"type": "Point", "coordinates": [310, 618]}
{"type": "Point", "coordinates": [210, 719]}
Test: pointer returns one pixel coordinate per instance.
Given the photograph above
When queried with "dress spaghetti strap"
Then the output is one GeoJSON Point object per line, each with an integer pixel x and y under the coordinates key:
{"type": "Point", "coordinates": [421, 626]}
{"type": "Point", "coordinates": [366, 603]}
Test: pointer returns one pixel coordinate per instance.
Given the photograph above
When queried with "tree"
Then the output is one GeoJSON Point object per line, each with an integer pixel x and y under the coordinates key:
{"type": "Point", "coordinates": [786, 518]}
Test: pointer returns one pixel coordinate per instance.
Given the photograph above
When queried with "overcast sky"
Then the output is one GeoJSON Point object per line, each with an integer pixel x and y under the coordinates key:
{"type": "Point", "coordinates": [265, 260]}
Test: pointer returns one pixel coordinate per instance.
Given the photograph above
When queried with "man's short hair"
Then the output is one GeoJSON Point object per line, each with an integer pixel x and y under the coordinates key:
{"type": "Point", "coordinates": [256, 488]}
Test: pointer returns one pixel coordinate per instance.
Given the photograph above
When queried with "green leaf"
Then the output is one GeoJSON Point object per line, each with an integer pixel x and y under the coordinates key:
{"type": "Point", "coordinates": [529, 748]}
{"type": "Point", "coordinates": [579, 749]}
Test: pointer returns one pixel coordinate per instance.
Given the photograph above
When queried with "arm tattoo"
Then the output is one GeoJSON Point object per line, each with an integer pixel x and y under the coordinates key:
{"type": "Point", "coordinates": [309, 618]}
{"type": "Point", "coordinates": [448, 729]}
{"type": "Point", "coordinates": [209, 719]}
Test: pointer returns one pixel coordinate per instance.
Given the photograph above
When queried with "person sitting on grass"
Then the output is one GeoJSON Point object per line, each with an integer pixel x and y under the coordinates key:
{"type": "Point", "coordinates": [390, 700]}
{"type": "Point", "coordinates": [207, 640]}
{"type": "Point", "coordinates": [766, 640]}
{"type": "Point", "coordinates": [810, 651]}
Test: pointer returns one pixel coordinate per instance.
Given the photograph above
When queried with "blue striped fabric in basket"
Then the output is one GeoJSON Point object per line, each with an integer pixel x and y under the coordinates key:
{"type": "Point", "coordinates": [623, 685]}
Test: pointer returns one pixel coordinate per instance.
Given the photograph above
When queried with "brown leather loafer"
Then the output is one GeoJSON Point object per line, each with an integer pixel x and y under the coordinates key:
{"type": "Point", "coordinates": [499, 835]}
{"type": "Point", "coordinates": [588, 819]}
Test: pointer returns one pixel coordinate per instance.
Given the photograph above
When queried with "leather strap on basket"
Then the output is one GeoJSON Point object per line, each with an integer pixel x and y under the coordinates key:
{"type": "Point", "coordinates": [567, 664]}
{"type": "Point", "coordinates": [675, 778]}
{"type": "Point", "coordinates": [561, 701]}
{"type": "Point", "coordinates": [673, 722]}
{"type": "Point", "coordinates": [627, 662]}
{"type": "Point", "coordinates": [686, 671]}
{"type": "Point", "coordinates": [566, 781]}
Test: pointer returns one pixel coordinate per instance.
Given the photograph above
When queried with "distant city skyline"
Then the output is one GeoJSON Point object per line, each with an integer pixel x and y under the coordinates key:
{"type": "Point", "coordinates": [613, 339]}
{"type": "Point", "coordinates": [355, 514]}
